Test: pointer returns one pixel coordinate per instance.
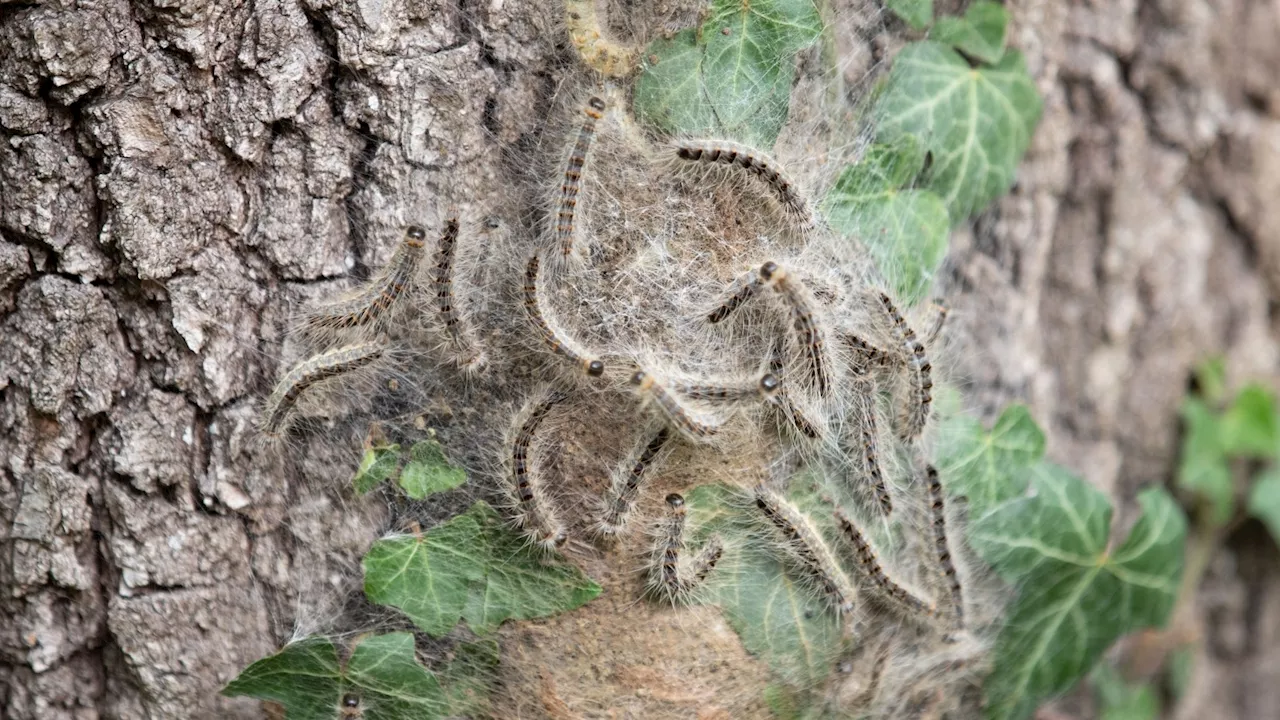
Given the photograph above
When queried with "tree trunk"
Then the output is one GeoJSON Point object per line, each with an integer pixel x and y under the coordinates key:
{"type": "Point", "coordinates": [174, 177]}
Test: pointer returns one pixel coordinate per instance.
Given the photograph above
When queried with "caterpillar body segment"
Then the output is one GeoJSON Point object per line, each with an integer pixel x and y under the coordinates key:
{"type": "Point", "coordinates": [867, 355]}
{"type": "Point", "coordinates": [567, 207]}
{"type": "Point", "coordinates": [557, 341]}
{"type": "Point", "coordinates": [938, 509]}
{"type": "Point", "coordinates": [695, 426]}
{"type": "Point", "coordinates": [667, 577]}
{"type": "Point", "coordinates": [763, 388]}
{"type": "Point", "coordinates": [470, 357]}
{"type": "Point", "coordinates": [743, 290]}
{"type": "Point", "coordinates": [796, 418]}
{"type": "Point", "coordinates": [807, 545]}
{"type": "Point", "coordinates": [306, 374]}
{"type": "Point", "coordinates": [725, 152]}
{"type": "Point", "coordinates": [534, 511]}
{"type": "Point", "coordinates": [370, 305]}
{"type": "Point", "coordinates": [607, 57]}
{"type": "Point", "coordinates": [904, 601]}
{"type": "Point", "coordinates": [809, 333]}
{"type": "Point", "coordinates": [916, 413]}
{"type": "Point", "coordinates": [625, 484]}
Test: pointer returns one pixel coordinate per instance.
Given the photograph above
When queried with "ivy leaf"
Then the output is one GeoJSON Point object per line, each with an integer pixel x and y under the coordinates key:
{"type": "Point", "coordinates": [1264, 501]}
{"type": "Point", "coordinates": [378, 464]}
{"type": "Point", "coordinates": [1077, 595]}
{"type": "Point", "coordinates": [383, 674]}
{"type": "Point", "coordinates": [904, 230]}
{"type": "Point", "coordinates": [468, 678]}
{"type": "Point", "coordinates": [1249, 427]}
{"type": "Point", "coordinates": [979, 34]}
{"type": "Point", "coordinates": [1203, 468]}
{"type": "Point", "coordinates": [989, 467]}
{"type": "Point", "coordinates": [916, 13]}
{"type": "Point", "coordinates": [773, 611]}
{"type": "Point", "coordinates": [472, 567]}
{"type": "Point", "coordinates": [977, 123]}
{"type": "Point", "coordinates": [428, 472]}
{"type": "Point", "coordinates": [732, 77]}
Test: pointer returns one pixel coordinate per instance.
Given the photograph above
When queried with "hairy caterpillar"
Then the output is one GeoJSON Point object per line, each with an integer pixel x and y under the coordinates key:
{"type": "Point", "coordinates": [311, 371]}
{"type": "Point", "coordinates": [626, 481]}
{"type": "Point", "coordinates": [917, 411]}
{"type": "Point", "coordinates": [535, 513]}
{"type": "Point", "coordinates": [746, 287]}
{"type": "Point", "coordinates": [937, 506]}
{"type": "Point", "coordinates": [809, 334]}
{"type": "Point", "coordinates": [755, 162]}
{"type": "Point", "coordinates": [766, 387]}
{"type": "Point", "coordinates": [573, 176]}
{"type": "Point", "coordinates": [808, 547]}
{"type": "Point", "coordinates": [870, 443]}
{"type": "Point", "coordinates": [896, 595]}
{"type": "Point", "coordinates": [557, 341]}
{"type": "Point", "coordinates": [470, 356]}
{"type": "Point", "coordinates": [694, 426]}
{"type": "Point", "coordinates": [667, 577]}
{"type": "Point", "coordinates": [370, 305]}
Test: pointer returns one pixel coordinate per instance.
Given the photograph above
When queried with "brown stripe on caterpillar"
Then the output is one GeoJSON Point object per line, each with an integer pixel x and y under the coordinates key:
{"type": "Point", "coordinates": [568, 205]}
{"type": "Point", "coordinates": [605, 56]}
{"type": "Point", "coordinates": [937, 506]}
{"type": "Point", "coordinates": [534, 512]}
{"type": "Point", "coordinates": [763, 388]}
{"type": "Point", "coordinates": [870, 444]}
{"type": "Point", "coordinates": [370, 304]}
{"type": "Point", "coordinates": [869, 565]}
{"type": "Point", "coordinates": [808, 547]}
{"type": "Point", "coordinates": [558, 342]}
{"type": "Point", "coordinates": [313, 370]}
{"type": "Point", "coordinates": [442, 278]}
{"type": "Point", "coordinates": [694, 426]}
{"type": "Point", "coordinates": [757, 163]}
{"type": "Point", "coordinates": [746, 287]}
{"type": "Point", "coordinates": [625, 485]}
{"type": "Point", "coordinates": [667, 577]}
{"type": "Point", "coordinates": [916, 413]}
{"type": "Point", "coordinates": [808, 333]}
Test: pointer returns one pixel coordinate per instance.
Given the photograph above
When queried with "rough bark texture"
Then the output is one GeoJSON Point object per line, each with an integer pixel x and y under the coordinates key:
{"type": "Point", "coordinates": [173, 176]}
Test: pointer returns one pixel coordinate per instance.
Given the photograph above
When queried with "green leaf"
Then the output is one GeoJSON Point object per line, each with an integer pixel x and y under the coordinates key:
{"type": "Point", "coordinates": [1211, 380]}
{"type": "Point", "coordinates": [772, 609]}
{"type": "Point", "coordinates": [977, 123]}
{"type": "Point", "coordinates": [304, 677]}
{"type": "Point", "coordinates": [1119, 700]}
{"type": "Point", "coordinates": [1203, 468]}
{"type": "Point", "coordinates": [916, 13]}
{"type": "Point", "coordinates": [428, 472]}
{"type": "Point", "coordinates": [1264, 501]}
{"type": "Point", "coordinates": [382, 673]}
{"type": "Point", "coordinates": [472, 567]}
{"type": "Point", "coordinates": [989, 468]}
{"type": "Point", "coordinates": [1076, 594]}
{"type": "Point", "coordinates": [980, 34]}
{"type": "Point", "coordinates": [733, 77]}
{"type": "Point", "coordinates": [378, 464]}
{"type": "Point", "coordinates": [1249, 425]}
{"type": "Point", "coordinates": [470, 676]}
{"type": "Point", "coordinates": [905, 230]}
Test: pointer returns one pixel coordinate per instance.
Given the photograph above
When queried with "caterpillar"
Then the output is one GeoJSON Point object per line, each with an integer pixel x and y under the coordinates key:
{"type": "Point", "coordinates": [471, 357]}
{"type": "Point", "coordinates": [766, 387]}
{"type": "Point", "coordinates": [870, 443]}
{"type": "Point", "coordinates": [573, 176]}
{"type": "Point", "coordinates": [746, 287]}
{"type": "Point", "coordinates": [937, 505]}
{"type": "Point", "coordinates": [901, 598]}
{"type": "Point", "coordinates": [370, 305]}
{"type": "Point", "coordinates": [916, 414]}
{"type": "Point", "coordinates": [558, 342]}
{"type": "Point", "coordinates": [311, 371]}
{"type": "Point", "coordinates": [694, 426]}
{"type": "Point", "coordinates": [668, 577]}
{"type": "Point", "coordinates": [808, 547]}
{"type": "Point", "coordinates": [755, 162]}
{"type": "Point", "coordinates": [535, 513]}
{"type": "Point", "coordinates": [809, 334]}
{"type": "Point", "coordinates": [625, 484]}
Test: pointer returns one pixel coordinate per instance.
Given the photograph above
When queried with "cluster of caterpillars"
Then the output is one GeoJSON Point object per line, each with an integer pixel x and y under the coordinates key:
{"type": "Point", "coordinates": [825, 376]}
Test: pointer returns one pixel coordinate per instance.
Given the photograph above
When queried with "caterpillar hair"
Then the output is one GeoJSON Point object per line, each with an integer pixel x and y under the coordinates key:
{"type": "Point", "coordinates": [558, 342]}
{"type": "Point", "coordinates": [470, 357]}
{"type": "Point", "coordinates": [745, 288]}
{"type": "Point", "coordinates": [940, 311]}
{"type": "Point", "coordinates": [937, 505]}
{"type": "Point", "coordinates": [890, 591]}
{"type": "Point", "coordinates": [795, 416]}
{"type": "Point", "coordinates": [534, 512]}
{"type": "Point", "coordinates": [755, 162]}
{"type": "Point", "coordinates": [625, 485]}
{"type": "Point", "coordinates": [370, 305]}
{"type": "Point", "coordinates": [573, 176]}
{"type": "Point", "coordinates": [806, 544]}
{"type": "Point", "coordinates": [808, 333]}
{"type": "Point", "coordinates": [694, 426]}
{"type": "Point", "coordinates": [667, 578]}
{"type": "Point", "coordinates": [916, 414]}
{"type": "Point", "coordinates": [763, 388]}
{"type": "Point", "coordinates": [313, 370]}
{"type": "Point", "coordinates": [866, 354]}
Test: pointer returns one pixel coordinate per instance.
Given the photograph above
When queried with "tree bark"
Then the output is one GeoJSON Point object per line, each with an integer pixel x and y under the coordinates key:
{"type": "Point", "coordinates": [175, 176]}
